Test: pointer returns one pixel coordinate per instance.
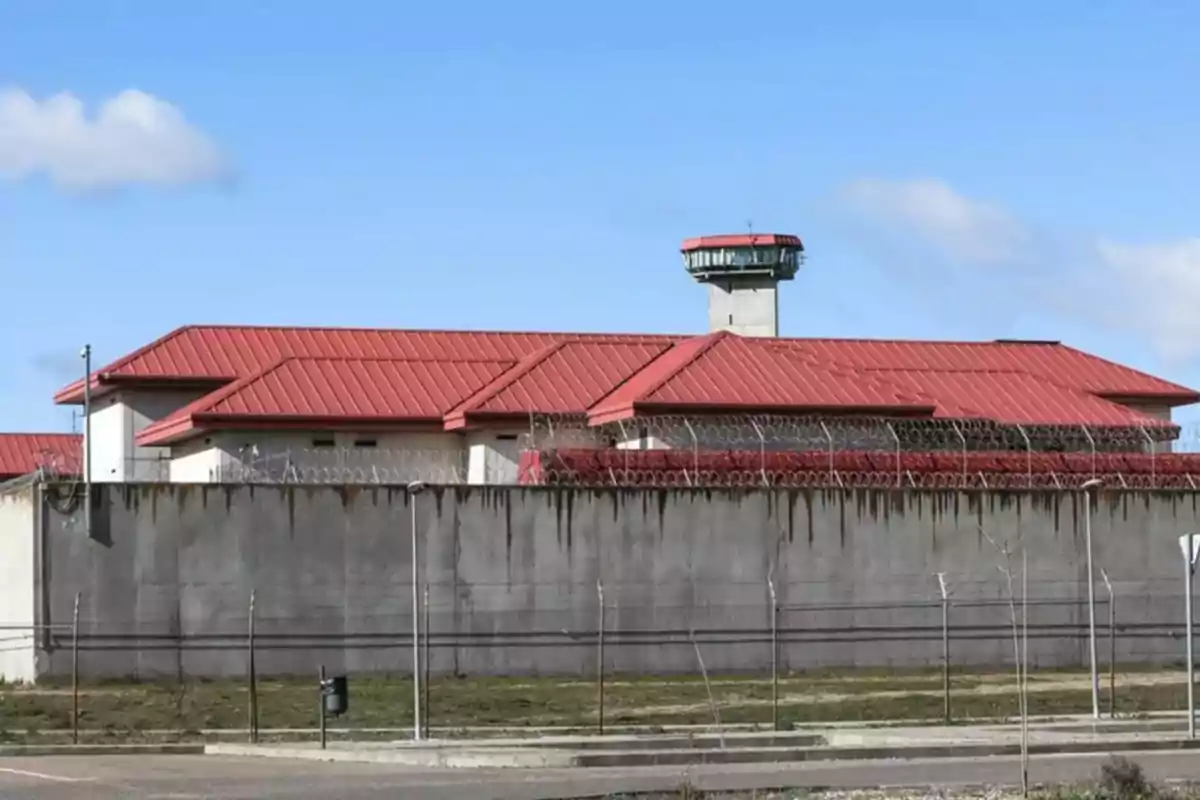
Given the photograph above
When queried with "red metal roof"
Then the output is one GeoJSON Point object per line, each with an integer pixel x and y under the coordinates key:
{"type": "Point", "coordinates": [564, 378]}
{"type": "Point", "coordinates": [740, 240]}
{"type": "Point", "coordinates": [723, 371]}
{"type": "Point", "coordinates": [1015, 398]}
{"type": "Point", "coordinates": [1060, 363]}
{"type": "Point", "coordinates": [277, 375]}
{"type": "Point", "coordinates": [320, 392]}
{"type": "Point", "coordinates": [23, 453]}
{"type": "Point", "coordinates": [221, 354]}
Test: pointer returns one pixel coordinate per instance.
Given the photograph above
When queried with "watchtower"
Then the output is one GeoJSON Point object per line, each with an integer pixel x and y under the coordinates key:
{"type": "Point", "coordinates": [743, 272]}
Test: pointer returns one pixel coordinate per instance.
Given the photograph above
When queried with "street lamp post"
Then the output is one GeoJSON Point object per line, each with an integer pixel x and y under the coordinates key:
{"type": "Point", "coordinates": [1190, 545]}
{"type": "Point", "coordinates": [86, 355]}
{"type": "Point", "coordinates": [1087, 497]}
{"type": "Point", "coordinates": [414, 489]}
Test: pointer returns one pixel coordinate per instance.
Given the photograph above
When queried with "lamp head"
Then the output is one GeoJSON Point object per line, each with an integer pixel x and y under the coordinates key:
{"type": "Point", "coordinates": [1092, 484]}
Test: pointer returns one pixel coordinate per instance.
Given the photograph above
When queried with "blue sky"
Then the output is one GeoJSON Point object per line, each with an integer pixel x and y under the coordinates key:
{"type": "Point", "coordinates": [957, 169]}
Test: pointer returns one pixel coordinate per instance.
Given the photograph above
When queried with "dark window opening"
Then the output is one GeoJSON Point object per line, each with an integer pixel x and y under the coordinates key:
{"type": "Point", "coordinates": [506, 437]}
{"type": "Point", "coordinates": [366, 442]}
{"type": "Point", "coordinates": [323, 442]}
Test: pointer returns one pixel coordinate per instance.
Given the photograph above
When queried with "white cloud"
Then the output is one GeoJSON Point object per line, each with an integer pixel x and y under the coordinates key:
{"type": "Point", "coordinates": [964, 229]}
{"type": "Point", "coordinates": [133, 138]}
{"type": "Point", "coordinates": [1152, 290]}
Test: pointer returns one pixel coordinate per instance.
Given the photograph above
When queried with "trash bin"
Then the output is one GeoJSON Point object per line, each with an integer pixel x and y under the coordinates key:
{"type": "Point", "coordinates": [336, 695]}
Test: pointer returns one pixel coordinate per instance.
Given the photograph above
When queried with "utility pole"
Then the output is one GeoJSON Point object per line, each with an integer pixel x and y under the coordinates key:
{"type": "Point", "coordinates": [87, 438]}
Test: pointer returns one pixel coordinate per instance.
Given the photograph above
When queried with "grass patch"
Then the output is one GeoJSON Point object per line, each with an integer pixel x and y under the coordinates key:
{"type": "Point", "coordinates": [132, 709]}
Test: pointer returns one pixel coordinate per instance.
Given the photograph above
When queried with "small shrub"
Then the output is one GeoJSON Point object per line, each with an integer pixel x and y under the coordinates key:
{"type": "Point", "coordinates": [1122, 779]}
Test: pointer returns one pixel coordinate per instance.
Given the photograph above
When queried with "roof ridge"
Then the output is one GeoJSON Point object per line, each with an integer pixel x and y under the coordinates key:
{"type": "Point", "coordinates": [1183, 389]}
{"type": "Point", "coordinates": [198, 405]}
{"type": "Point", "coordinates": [76, 385]}
{"type": "Point", "coordinates": [505, 379]}
{"type": "Point", "coordinates": [712, 340]}
{"type": "Point", "coordinates": [43, 433]}
{"type": "Point", "coordinates": [895, 340]}
{"type": "Point", "coordinates": [368, 329]}
{"type": "Point", "coordinates": [414, 359]}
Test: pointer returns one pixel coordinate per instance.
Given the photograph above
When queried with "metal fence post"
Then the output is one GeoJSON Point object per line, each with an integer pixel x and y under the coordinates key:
{"type": "Point", "coordinates": [600, 660]}
{"type": "Point", "coordinates": [774, 655]}
{"type": "Point", "coordinates": [75, 671]}
{"type": "Point", "coordinates": [252, 673]}
{"type": "Point", "coordinates": [1112, 646]}
{"type": "Point", "coordinates": [945, 645]}
{"type": "Point", "coordinates": [321, 704]}
{"type": "Point", "coordinates": [425, 687]}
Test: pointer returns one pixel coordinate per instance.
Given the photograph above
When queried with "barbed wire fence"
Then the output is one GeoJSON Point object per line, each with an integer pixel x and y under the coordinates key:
{"type": "Point", "coordinates": [850, 452]}
{"type": "Point", "coordinates": [592, 656]}
{"type": "Point", "coordinates": [748, 451]}
{"type": "Point", "coordinates": [350, 465]}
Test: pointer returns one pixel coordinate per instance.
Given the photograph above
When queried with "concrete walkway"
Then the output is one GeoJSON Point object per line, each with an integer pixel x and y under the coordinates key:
{"type": "Point", "coordinates": [813, 743]}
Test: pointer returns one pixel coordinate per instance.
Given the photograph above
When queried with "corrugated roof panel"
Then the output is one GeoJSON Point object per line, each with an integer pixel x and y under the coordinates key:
{"type": "Point", "coordinates": [737, 372]}
{"type": "Point", "coordinates": [23, 453]}
{"type": "Point", "coordinates": [571, 378]}
{"type": "Point", "coordinates": [357, 388]}
{"type": "Point", "coordinates": [653, 375]}
{"type": "Point", "coordinates": [351, 389]}
{"type": "Point", "coordinates": [1057, 362]}
{"type": "Point", "coordinates": [1015, 398]}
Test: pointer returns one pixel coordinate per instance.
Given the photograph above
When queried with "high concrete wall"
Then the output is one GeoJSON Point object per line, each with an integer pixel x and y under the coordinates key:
{"type": "Point", "coordinates": [17, 589]}
{"type": "Point", "coordinates": [167, 575]}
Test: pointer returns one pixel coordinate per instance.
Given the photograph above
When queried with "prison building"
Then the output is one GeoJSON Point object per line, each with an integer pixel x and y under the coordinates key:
{"type": "Point", "coordinates": [737, 404]}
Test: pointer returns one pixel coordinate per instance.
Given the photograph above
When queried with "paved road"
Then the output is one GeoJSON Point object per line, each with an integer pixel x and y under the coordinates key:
{"type": "Point", "coordinates": [195, 777]}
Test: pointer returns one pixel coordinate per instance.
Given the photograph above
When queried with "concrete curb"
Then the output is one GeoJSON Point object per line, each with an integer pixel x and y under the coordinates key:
{"type": "Point", "coordinates": [455, 757]}
{"type": "Point", "coordinates": [19, 750]}
{"type": "Point", "coordinates": [428, 757]}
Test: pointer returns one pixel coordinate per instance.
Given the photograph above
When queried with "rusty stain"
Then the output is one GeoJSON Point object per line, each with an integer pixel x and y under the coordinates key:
{"type": "Point", "coordinates": [182, 490]}
{"type": "Point", "coordinates": [558, 509]}
{"type": "Point", "coordinates": [808, 507]}
{"type": "Point", "coordinates": [508, 531]}
{"type": "Point", "coordinates": [791, 515]}
{"type": "Point", "coordinates": [842, 520]}
{"type": "Point", "coordinates": [290, 495]}
{"type": "Point", "coordinates": [570, 527]}
{"type": "Point", "coordinates": [343, 493]}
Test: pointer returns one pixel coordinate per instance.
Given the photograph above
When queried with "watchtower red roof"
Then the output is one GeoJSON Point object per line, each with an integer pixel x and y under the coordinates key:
{"type": "Point", "coordinates": [741, 240]}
